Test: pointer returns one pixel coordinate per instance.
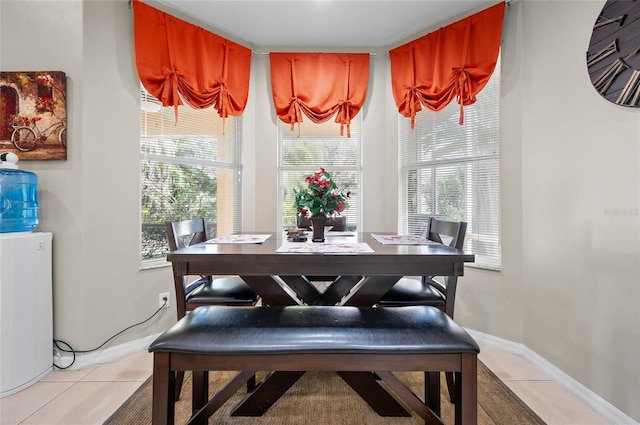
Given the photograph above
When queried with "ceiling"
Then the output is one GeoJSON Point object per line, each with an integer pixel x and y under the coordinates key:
{"type": "Point", "coordinates": [321, 23]}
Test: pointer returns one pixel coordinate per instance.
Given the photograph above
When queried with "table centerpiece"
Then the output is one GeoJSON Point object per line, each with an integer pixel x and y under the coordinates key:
{"type": "Point", "coordinates": [322, 198]}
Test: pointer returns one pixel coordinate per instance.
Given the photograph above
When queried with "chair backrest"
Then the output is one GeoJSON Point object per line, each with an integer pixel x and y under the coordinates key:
{"type": "Point", "coordinates": [450, 233]}
{"type": "Point", "coordinates": [180, 235]}
{"type": "Point", "coordinates": [186, 232]}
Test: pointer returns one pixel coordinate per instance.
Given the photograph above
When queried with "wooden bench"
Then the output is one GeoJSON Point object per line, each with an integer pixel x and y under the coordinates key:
{"type": "Point", "coordinates": [306, 338]}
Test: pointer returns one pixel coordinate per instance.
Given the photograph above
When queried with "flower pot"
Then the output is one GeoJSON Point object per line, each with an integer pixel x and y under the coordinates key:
{"type": "Point", "coordinates": [318, 228]}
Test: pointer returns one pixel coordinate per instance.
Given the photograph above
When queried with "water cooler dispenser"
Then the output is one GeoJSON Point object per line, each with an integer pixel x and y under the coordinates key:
{"type": "Point", "coordinates": [26, 312]}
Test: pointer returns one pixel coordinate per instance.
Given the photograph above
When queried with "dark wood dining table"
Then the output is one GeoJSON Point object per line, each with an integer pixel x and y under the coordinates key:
{"type": "Point", "coordinates": [280, 278]}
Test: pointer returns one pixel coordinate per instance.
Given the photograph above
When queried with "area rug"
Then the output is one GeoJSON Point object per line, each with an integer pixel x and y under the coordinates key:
{"type": "Point", "coordinates": [323, 398]}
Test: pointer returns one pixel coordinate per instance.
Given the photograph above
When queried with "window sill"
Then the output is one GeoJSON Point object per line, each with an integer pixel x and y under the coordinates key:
{"type": "Point", "coordinates": [154, 264]}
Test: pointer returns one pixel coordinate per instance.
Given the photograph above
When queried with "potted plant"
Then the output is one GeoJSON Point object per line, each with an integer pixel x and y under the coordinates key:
{"type": "Point", "coordinates": [319, 200]}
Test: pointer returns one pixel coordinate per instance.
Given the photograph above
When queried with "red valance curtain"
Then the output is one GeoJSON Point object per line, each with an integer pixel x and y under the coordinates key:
{"type": "Point", "coordinates": [319, 85]}
{"type": "Point", "coordinates": [455, 61]}
{"type": "Point", "coordinates": [177, 60]}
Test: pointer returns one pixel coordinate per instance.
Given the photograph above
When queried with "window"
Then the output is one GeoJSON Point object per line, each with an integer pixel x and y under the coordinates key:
{"type": "Point", "coordinates": [314, 146]}
{"type": "Point", "coordinates": [188, 170]}
{"type": "Point", "coordinates": [453, 170]}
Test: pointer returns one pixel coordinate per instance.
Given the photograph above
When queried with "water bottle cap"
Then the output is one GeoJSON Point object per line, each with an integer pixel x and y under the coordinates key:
{"type": "Point", "coordinates": [8, 160]}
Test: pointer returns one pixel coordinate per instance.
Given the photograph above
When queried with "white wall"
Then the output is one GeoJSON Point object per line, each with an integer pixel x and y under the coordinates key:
{"type": "Point", "coordinates": [580, 164]}
{"type": "Point", "coordinates": [569, 288]}
{"type": "Point", "coordinates": [570, 285]}
{"type": "Point", "coordinates": [90, 202]}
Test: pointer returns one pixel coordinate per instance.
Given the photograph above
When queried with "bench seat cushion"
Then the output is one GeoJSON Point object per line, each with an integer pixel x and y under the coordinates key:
{"type": "Point", "coordinates": [222, 330]}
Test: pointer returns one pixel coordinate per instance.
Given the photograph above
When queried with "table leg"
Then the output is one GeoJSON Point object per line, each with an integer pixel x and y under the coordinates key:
{"type": "Point", "coordinates": [380, 400]}
{"type": "Point", "coordinates": [266, 393]}
{"type": "Point", "coordinates": [303, 288]}
{"type": "Point", "coordinates": [270, 290]}
{"type": "Point", "coordinates": [370, 290]}
{"type": "Point", "coordinates": [307, 292]}
{"type": "Point", "coordinates": [337, 290]}
{"type": "Point", "coordinates": [364, 383]}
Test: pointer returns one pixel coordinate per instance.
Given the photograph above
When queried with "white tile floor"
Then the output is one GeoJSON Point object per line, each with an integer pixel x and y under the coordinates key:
{"type": "Point", "coordinates": [554, 404]}
{"type": "Point", "coordinates": [89, 396]}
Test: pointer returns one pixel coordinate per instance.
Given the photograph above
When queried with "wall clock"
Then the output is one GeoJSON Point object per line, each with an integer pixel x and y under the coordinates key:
{"type": "Point", "coordinates": [613, 58]}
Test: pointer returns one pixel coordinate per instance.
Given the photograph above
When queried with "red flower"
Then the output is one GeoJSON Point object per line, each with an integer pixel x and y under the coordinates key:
{"type": "Point", "coordinates": [45, 80]}
{"type": "Point", "coordinates": [321, 198]}
{"type": "Point", "coordinates": [44, 104]}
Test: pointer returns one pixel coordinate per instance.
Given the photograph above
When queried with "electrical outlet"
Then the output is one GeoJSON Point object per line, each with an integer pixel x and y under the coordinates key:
{"type": "Point", "coordinates": [161, 300]}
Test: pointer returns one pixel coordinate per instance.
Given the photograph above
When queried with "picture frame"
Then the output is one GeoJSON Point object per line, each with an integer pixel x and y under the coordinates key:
{"type": "Point", "coordinates": [33, 114]}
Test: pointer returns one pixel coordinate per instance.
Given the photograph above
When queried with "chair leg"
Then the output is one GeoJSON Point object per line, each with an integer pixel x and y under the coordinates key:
{"type": "Point", "coordinates": [200, 390]}
{"type": "Point", "coordinates": [432, 391]}
{"type": "Point", "coordinates": [251, 383]}
{"type": "Point", "coordinates": [451, 386]}
{"type": "Point", "coordinates": [178, 388]}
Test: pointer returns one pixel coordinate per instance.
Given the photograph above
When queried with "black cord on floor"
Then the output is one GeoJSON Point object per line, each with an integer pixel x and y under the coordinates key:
{"type": "Point", "coordinates": [71, 350]}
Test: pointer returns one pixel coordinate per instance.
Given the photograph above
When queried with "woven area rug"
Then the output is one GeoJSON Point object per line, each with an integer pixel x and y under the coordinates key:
{"type": "Point", "coordinates": [323, 398]}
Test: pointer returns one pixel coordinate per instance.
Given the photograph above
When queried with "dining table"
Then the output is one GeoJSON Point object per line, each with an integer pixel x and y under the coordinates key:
{"type": "Point", "coordinates": [360, 267]}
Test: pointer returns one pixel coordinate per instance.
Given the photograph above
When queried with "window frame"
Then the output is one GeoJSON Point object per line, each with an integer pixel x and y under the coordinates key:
{"type": "Point", "coordinates": [231, 125]}
{"type": "Point", "coordinates": [489, 258]}
{"type": "Point", "coordinates": [355, 203]}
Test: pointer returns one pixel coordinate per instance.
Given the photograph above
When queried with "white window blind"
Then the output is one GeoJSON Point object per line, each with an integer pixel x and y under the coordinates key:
{"type": "Point", "coordinates": [453, 171]}
{"type": "Point", "coordinates": [303, 150]}
{"type": "Point", "coordinates": [188, 170]}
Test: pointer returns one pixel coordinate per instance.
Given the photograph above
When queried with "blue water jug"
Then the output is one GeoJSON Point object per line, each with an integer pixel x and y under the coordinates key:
{"type": "Point", "coordinates": [18, 196]}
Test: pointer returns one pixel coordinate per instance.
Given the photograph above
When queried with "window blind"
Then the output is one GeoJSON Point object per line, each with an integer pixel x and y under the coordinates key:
{"type": "Point", "coordinates": [302, 151]}
{"type": "Point", "coordinates": [188, 169]}
{"type": "Point", "coordinates": [453, 171]}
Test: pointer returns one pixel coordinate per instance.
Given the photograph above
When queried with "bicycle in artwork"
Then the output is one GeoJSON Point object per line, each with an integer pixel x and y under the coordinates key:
{"type": "Point", "coordinates": [26, 133]}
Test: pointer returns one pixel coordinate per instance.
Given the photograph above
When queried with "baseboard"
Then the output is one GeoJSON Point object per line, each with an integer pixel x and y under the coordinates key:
{"type": "Point", "coordinates": [605, 409]}
{"type": "Point", "coordinates": [65, 360]}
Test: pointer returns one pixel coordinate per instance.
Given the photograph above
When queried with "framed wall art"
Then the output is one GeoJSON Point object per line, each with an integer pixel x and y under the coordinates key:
{"type": "Point", "coordinates": [33, 114]}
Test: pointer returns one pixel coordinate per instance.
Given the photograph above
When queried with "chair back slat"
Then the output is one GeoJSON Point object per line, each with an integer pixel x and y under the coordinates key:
{"type": "Point", "coordinates": [450, 233]}
{"type": "Point", "coordinates": [186, 233]}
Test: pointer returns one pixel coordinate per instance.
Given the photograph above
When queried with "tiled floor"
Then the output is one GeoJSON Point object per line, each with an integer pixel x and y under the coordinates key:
{"type": "Point", "coordinates": [77, 397]}
{"type": "Point", "coordinates": [554, 404]}
{"type": "Point", "coordinates": [91, 395]}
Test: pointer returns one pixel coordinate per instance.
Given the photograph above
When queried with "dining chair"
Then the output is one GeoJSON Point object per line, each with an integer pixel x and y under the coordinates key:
{"type": "Point", "coordinates": [192, 292]}
{"type": "Point", "coordinates": [437, 291]}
